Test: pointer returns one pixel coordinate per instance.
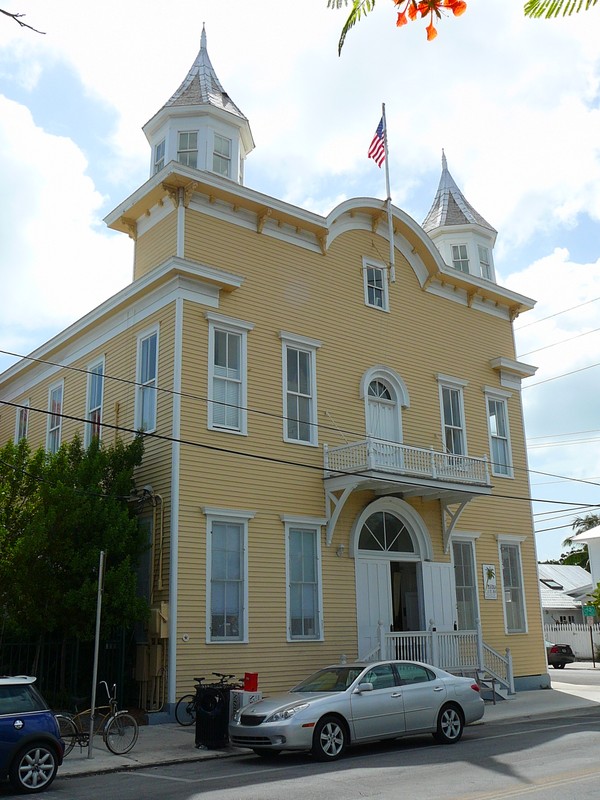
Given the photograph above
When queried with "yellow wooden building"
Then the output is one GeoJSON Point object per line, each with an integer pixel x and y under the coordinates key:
{"type": "Point", "coordinates": [335, 458]}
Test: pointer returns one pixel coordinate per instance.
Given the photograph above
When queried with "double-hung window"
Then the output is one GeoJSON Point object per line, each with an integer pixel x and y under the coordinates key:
{"type": "Point", "coordinates": [303, 579]}
{"type": "Point", "coordinates": [375, 285]}
{"type": "Point", "coordinates": [485, 262]}
{"type": "Point", "coordinates": [227, 575]}
{"type": "Point", "coordinates": [55, 405]}
{"type": "Point", "coordinates": [227, 371]}
{"type": "Point", "coordinates": [22, 425]}
{"type": "Point", "coordinates": [187, 150]}
{"type": "Point", "coordinates": [222, 155]}
{"type": "Point", "coordinates": [512, 585]}
{"type": "Point", "coordinates": [147, 381]}
{"type": "Point", "coordinates": [460, 257]}
{"type": "Point", "coordinates": [453, 415]}
{"type": "Point", "coordinates": [159, 156]}
{"type": "Point", "coordinates": [466, 584]}
{"type": "Point", "coordinates": [95, 391]}
{"type": "Point", "coordinates": [299, 388]}
{"type": "Point", "coordinates": [500, 449]}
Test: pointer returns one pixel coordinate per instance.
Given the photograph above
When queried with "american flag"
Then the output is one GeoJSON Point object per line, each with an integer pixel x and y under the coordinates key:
{"type": "Point", "coordinates": [377, 146]}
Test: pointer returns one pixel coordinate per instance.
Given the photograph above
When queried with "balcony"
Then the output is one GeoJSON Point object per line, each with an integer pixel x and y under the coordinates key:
{"type": "Point", "coordinates": [393, 468]}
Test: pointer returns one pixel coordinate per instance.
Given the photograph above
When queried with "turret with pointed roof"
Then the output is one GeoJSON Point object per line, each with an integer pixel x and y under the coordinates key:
{"type": "Point", "coordinates": [200, 125]}
{"type": "Point", "coordinates": [463, 237]}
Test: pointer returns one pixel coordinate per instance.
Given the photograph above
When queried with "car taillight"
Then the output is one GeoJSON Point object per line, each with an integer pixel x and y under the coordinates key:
{"type": "Point", "coordinates": [554, 649]}
{"type": "Point", "coordinates": [475, 687]}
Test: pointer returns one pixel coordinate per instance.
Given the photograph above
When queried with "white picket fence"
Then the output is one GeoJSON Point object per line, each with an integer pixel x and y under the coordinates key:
{"type": "Point", "coordinates": [578, 636]}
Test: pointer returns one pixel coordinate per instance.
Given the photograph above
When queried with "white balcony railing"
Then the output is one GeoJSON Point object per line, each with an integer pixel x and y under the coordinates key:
{"type": "Point", "coordinates": [401, 459]}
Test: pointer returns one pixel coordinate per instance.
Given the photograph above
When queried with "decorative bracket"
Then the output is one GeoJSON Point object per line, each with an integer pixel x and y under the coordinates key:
{"type": "Point", "coordinates": [131, 226]}
{"type": "Point", "coordinates": [334, 506]}
{"type": "Point", "coordinates": [449, 520]}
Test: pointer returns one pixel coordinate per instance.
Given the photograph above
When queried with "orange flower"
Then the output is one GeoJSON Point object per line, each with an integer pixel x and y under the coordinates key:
{"type": "Point", "coordinates": [431, 32]}
{"type": "Point", "coordinates": [401, 19]}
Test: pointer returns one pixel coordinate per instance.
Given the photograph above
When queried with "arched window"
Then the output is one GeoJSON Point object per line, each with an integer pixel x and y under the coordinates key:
{"type": "Point", "coordinates": [385, 395]}
{"type": "Point", "coordinates": [383, 532]}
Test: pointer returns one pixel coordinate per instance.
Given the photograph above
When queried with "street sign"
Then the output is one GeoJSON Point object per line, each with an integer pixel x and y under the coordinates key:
{"type": "Point", "coordinates": [589, 611]}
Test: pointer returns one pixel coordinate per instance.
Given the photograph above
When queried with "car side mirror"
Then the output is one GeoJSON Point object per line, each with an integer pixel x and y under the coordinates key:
{"type": "Point", "coordinates": [364, 687]}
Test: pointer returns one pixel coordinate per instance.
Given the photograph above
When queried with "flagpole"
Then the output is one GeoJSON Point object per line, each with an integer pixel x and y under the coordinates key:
{"type": "Point", "coordinates": [388, 197]}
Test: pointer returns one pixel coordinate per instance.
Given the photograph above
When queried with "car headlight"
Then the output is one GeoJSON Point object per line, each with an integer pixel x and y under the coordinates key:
{"type": "Point", "coordinates": [237, 715]}
{"type": "Point", "coordinates": [286, 713]}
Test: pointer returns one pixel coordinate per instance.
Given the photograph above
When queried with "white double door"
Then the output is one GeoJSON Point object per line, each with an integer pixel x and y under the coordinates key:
{"type": "Point", "coordinates": [434, 604]}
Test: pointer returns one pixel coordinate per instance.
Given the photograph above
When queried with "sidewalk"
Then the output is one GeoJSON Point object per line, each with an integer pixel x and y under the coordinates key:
{"type": "Point", "coordinates": [170, 743]}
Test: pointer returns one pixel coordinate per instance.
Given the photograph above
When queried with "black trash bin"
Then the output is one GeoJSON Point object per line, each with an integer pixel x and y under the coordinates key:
{"type": "Point", "coordinates": [212, 716]}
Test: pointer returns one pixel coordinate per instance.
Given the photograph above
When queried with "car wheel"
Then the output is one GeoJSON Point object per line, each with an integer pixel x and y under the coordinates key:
{"type": "Point", "coordinates": [560, 665]}
{"type": "Point", "coordinates": [450, 725]}
{"type": "Point", "coordinates": [34, 767]}
{"type": "Point", "coordinates": [265, 752]}
{"type": "Point", "coordinates": [330, 739]}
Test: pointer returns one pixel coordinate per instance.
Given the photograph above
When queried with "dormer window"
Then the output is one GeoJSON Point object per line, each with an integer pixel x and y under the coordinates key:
{"type": "Point", "coordinates": [222, 156]}
{"type": "Point", "coordinates": [485, 263]}
{"type": "Point", "coordinates": [159, 156]}
{"type": "Point", "coordinates": [187, 152]}
{"type": "Point", "coordinates": [460, 259]}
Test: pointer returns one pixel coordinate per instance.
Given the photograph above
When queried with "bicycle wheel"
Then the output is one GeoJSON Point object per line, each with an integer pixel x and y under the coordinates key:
{"type": "Point", "coordinates": [185, 710]}
{"type": "Point", "coordinates": [68, 732]}
{"type": "Point", "coordinates": [121, 733]}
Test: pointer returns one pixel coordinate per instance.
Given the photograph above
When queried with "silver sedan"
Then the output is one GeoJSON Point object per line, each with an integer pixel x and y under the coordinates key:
{"type": "Point", "coordinates": [349, 704]}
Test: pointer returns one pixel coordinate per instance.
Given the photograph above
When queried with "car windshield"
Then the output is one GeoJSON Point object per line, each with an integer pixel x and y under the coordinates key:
{"type": "Point", "coordinates": [331, 679]}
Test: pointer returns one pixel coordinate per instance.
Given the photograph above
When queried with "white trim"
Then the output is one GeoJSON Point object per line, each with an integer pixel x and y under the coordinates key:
{"type": "Point", "coordinates": [175, 486]}
{"type": "Point", "coordinates": [498, 392]}
{"type": "Point", "coordinates": [387, 374]}
{"type": "Point", "coordinates": [378, 265]}
{"type": "Point", "coordinates": [53, 386]}
{"type": "Point", "coordinates": [142, 337]}
{"type": "Point", "coordinates": [87, 435]}
{"type": "Point", "coordinates": [239, 328]}
{"type": "Point", "coordinates": [448, 380]}
{"type": "Point", "coordinates": [501, 397]}
{"type": "Point", "coordinates": [301, 344]}
{"type": "Point", "coordinates": [237, 518]}
{"type": "Point", "coordinates": [514, 541]}
{"type": "Point", "coordinates": [411, 519]}
{"type": "Point", "coordinates": [304, 524]}
{"type": "Point", "coordinates": [301, 519]}
{"type": "Point", "coordinates": [23, 407]}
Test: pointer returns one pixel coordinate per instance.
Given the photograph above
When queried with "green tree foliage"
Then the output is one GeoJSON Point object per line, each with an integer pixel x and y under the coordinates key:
{"type": "Point", "coordinates": [556, 8]}
{"type": "Point", "coordinates": [57, 512]}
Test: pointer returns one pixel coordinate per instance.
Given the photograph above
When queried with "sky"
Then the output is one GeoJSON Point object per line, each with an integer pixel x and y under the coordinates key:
{"type": "Point", "coordinates": [514, 103]}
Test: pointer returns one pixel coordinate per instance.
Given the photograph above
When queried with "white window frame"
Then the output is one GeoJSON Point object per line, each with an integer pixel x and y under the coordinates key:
{"type": "Point", "coordinates": [456, 385]}
{"type": "Point", "coordinates": [460, 257]}
{"type": "Point", "coordinates": [221, 162]}
{"type": "Point", "coordinates": [305, 525]}
{"type": "Point", "coordinates": [236, 327]}
{"type": "Point", "coordinates": [302, 344]}
{"type": "Point", "coordinates": [90, 425]}
{"type": "Point", "coordinates": [512, 541]}
{"type": "Point", "coordinates": [149, 385]}
{"type": "Point", "coordinates": [500, 397]}
{"type": "Point", "coordinates": [485, 262]}
{"type": "Point", "coordinates": [372, 291]}
{"type": "Point", "coordinates": [188, 154]}
{"type": "Point", "coordinates": [54, 426]}
{"type": "Point", "coordinates": [159, 156]}
{"type": "Point", "coordinates": [233, 517]}
{"type": "Point", "coordinates": [22, 422]}
{"type": "Point", "coordinates": [468, 539]}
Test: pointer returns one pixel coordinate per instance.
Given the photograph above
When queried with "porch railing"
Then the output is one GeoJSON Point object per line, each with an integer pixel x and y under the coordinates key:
{"type": "Point", "coordinates": [454, 651]}
{"type": "Point", "coordinates": [374, 454]}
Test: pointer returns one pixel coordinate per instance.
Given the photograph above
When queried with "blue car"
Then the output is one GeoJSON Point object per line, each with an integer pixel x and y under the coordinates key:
{"type": "Point", "coordinates": [31, 749]}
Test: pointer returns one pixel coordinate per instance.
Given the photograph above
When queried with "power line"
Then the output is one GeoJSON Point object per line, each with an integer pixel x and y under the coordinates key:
{"type": "Point", "coordinates": [556, 314]}
{"type": "Point", "coordinates": [563, 375]}
{"type": "Point", "coordinates": [555, 344]}
{"type": "Point", "coordinates": [270, 459]}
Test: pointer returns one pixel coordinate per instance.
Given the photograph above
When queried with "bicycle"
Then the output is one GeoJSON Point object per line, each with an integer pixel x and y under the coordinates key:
{"type": "Point", "coordinates": [185, 710]}
{"type": "Point", "coordinates": [119, 729]}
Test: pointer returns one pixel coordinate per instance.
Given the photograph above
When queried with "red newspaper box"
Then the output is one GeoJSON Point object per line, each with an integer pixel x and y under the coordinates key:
{"type": "Point", "coordinates": [251, 682]}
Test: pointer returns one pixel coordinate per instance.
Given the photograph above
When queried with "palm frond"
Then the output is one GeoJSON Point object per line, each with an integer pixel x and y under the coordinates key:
{"type": "Point", "coordinates": [360, 8]}
{"type": "Point", "coordinates": [554, 8]}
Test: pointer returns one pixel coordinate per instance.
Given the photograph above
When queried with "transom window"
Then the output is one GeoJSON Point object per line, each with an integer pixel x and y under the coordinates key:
{"type": "Point", "coordinates": [460, 258]}
{"type": "Point", "coordinates": [159, 156]}
{"type": "Point", "coordinates": [380, 391]}
{"type": "Point", "coordinates": [385, 532]}
{"type": "Point", "coordinates": [375, 285]}
{"type": "Point", "coordinates": [222, 155]}
{"type": "Point", "coordinates": [187, 152]}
